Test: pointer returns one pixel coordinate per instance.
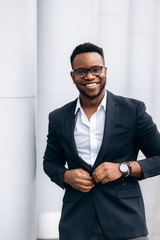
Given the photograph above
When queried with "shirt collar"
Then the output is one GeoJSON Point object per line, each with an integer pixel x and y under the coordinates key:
{"type": "Point", "coordinates": [102, 104]}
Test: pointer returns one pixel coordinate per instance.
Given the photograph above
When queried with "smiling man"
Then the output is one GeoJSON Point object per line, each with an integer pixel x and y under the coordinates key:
{"type": "Point", "coordinates": [99, 136]}
{"type": "Point", "coordinates": [89, 75]}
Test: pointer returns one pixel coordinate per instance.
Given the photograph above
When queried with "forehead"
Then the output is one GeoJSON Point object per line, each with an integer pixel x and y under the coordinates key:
{"type": "Point", "coordinates": [87, 60]}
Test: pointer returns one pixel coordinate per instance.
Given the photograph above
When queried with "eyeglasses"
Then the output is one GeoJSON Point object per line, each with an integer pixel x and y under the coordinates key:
{"type": "Point", "coordinates": [82, 72]}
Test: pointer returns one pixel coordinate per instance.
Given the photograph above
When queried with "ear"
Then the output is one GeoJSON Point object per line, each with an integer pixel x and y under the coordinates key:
{"type": "Point", "coordinates": [72, 76]}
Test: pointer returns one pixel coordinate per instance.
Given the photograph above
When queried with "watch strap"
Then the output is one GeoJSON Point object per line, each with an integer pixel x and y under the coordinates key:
{"type": "Point", "coordinates": [130, 169]}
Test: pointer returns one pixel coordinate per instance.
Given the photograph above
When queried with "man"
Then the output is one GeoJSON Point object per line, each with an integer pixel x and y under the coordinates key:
{"type": "Point", "coordinates": [99, 135]}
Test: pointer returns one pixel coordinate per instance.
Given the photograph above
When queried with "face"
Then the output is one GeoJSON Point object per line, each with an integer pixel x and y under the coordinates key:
{"type": "Point", "coordinates": [89, 86]}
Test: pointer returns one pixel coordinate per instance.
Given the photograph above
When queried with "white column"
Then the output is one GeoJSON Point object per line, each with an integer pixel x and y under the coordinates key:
{"type": "Point", "coordinates": [113, 37]}
{"type": "Point", "coordinates": [143, 72]}
{"type": "Point", "coordinates": [17, 121]}
{"type": "Point", "coordinates": [156, 69]}
{"type": "Point", "coordinates": [145, 85]}
{"type": "Point", "coordinates": [61, 26]}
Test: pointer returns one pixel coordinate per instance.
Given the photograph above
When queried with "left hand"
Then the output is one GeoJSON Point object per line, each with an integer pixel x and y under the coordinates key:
{"type": "Point", "coordinates": [107, 172]}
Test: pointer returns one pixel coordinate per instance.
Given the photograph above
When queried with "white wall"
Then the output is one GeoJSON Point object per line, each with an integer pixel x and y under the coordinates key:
{"type": "Point", "coordinates": [17, 128]}
{"type": "Point", "coordinates": [129, 33]}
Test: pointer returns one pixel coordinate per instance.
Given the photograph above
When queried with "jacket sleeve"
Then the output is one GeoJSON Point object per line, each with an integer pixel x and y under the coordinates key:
{"type": "Point", "coordinates": [54, 157]}
{"type": "Point", "coordinates": [147, 138]}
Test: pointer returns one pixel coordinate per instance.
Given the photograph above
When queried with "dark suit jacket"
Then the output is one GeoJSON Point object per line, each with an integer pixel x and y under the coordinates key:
{"type": "Point", "coordinates": [119, 204]}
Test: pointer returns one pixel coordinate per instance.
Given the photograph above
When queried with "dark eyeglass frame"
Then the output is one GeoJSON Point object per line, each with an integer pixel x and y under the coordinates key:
{"type": "Point", "coordinates": [90, 70]}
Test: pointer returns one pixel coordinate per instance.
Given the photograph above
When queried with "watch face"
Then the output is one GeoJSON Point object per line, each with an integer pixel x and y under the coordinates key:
{"type": "Point", "coordinates": [123, 168]}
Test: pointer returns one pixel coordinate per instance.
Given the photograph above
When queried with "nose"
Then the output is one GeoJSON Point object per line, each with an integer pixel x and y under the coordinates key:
{"type": "Point", "coordinates": [89, 76]}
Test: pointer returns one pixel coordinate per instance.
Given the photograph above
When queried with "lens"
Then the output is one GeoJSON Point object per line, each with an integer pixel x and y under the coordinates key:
{"type": "Point", "coordinates": [81, 72]}
{"type": "Point", "coordinates": [96, 70]}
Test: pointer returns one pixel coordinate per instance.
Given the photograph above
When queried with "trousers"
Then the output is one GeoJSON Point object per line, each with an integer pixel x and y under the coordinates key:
{"type": "Point", "coordinates": [98, 234]}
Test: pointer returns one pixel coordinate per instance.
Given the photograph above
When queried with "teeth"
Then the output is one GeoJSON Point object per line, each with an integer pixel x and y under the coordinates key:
{"type": "Point", "coordinates": [91, 84]}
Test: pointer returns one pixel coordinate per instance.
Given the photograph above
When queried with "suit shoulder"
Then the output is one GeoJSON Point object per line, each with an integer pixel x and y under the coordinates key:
{"type": "Point", "coordinates": [126, 105]}
{"type": "Point", "coordinates": [130, 102]}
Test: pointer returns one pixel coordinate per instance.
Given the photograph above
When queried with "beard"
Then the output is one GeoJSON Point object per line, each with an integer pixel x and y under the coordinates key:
{"type": "Point", "coordinates": [92, 97]}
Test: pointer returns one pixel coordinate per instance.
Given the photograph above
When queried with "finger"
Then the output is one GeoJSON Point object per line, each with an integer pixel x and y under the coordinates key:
{"type": "Point", "coordinates": [85, 182]}
{"type": "Point", "coordinates": [105, 180]}
{"type": "Point", "coordinates": [86, 188]}
{"type": "Point", "coordinates": [99, 178]}
{"type": "Point", "coordinates": [84, 172]}
{"type": "Point", "coordinates": [101, 166]}
{"type": "Point", "coordinates": [99, 170]}
{"type": "Point", "coordinates": [86, 178]}
{"type": "Point", "coordinates": [99, 175]}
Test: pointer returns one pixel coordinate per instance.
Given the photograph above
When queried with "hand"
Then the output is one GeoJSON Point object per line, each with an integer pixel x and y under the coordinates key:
{"type": "Point", "coordinates": [79, 179]}
{"type": "Point", "coordinates": [107, 172]}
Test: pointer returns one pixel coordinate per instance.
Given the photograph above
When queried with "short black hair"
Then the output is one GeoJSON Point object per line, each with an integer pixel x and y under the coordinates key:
{"type": "Point", "coordinates": [84, 48]}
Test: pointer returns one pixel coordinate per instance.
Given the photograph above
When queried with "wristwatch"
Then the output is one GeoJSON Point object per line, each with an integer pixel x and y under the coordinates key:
{"type": "Point", "coordinates": [124, 169]}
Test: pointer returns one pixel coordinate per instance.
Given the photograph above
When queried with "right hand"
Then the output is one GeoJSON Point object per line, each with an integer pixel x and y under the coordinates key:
{"type": "Point", "coordinates": [78, 179]}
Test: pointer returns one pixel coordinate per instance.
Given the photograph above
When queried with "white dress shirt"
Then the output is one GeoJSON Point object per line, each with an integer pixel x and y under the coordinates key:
{"type": "Point", "coordinates": [88, 134]}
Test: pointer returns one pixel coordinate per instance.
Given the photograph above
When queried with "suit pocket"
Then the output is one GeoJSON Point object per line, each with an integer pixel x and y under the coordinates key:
{"type": "Point", "coordinates": [129, 193]}
{"type": "Point", "coordinates": [69, 197]}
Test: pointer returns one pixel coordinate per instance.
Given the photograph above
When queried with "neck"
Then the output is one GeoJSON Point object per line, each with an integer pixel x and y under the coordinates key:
{"type": "Point", "coordinates": [91, 103]}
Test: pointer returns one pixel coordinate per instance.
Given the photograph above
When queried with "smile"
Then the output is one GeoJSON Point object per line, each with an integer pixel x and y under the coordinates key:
{"type": "Point", "coordinates": [90, 84]}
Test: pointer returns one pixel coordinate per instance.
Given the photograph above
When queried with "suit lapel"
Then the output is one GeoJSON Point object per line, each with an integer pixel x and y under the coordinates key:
{"type": "Point", "coordinates": [70, 121]}
{"type": "Point", "coordinates": [69, 126]}
{"type": "Point", "coordinates": [110, 120]}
